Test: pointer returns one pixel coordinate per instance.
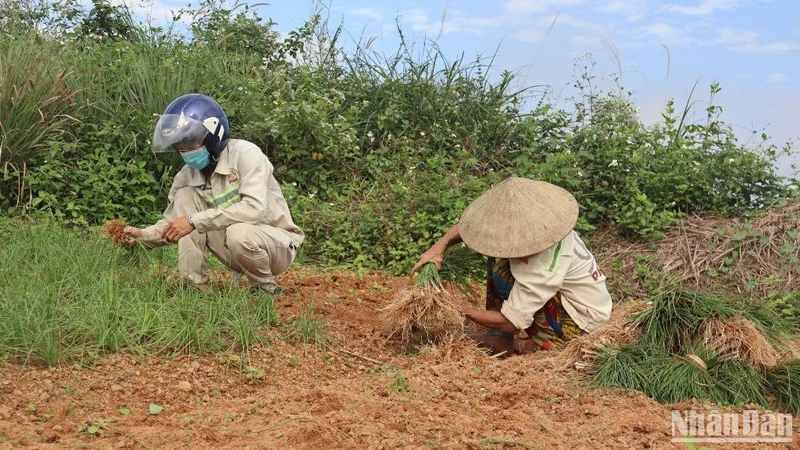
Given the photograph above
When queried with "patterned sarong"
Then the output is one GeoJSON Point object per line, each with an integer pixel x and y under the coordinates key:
{"type": "Point", "coordinates": [552, 326]}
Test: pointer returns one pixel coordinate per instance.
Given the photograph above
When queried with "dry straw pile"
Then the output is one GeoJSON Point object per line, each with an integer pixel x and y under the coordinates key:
{"type": "Point", "coordinates": [453, 349]}
{"type": "Point", "coordinates": [739, 338]}
{"type": "Point", "coordinates": [760, 254]}
{"type": "Point", "coordinates": [581, 353]}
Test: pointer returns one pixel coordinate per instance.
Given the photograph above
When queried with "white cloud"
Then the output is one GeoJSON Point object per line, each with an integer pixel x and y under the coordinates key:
{"type": "Point", "coordinates": [777, 77]}
{"type": "Point", "coordinates": [524, 7]}
{"type": "Point", "coordinates": [592, 42]}
{"type": "Point", "coordinates": [157, 11]}
{"type": "Point", "coordinates": [420, 21]}
{"type": "Point", "coordinates": [580, 31]}
{"type": "Point", "coordinates": [368, 13]}
{"type": "Point", "coordinates": [521, 7]}
{"type": "Point", "coordinates": [705, 8]}
{"type": "Point", "coordinates": [666, 33]}
{"type": "Point", "coordinates": [417, 18]}
{"type": "Point", "coordinates": [451, 21]}
{"type": "Point", "coordinates": [633, 10]}
{"type": "Point", "coordinates": [769, 47]}
{"type": "Point", "coordinates": [482, 22]}
{"type": "Point", "coordinates": [735, 37]}
{"type": "Point", "coordinates": [746, 41]}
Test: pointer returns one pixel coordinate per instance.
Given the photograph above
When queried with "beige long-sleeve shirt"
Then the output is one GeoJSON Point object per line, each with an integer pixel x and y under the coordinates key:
{"type": "Point", "coordinates": [567, 267]}
{"type": "Point", "coordinates": [242, 189]}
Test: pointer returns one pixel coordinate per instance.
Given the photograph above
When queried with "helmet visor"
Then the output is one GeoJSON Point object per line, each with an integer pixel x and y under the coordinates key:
{"type": "Point", "coordinates": [173, 129]}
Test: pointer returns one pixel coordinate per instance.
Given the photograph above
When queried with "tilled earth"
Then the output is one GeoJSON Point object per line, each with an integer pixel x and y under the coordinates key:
{"type": "Point", "coordinates": [361, 391]}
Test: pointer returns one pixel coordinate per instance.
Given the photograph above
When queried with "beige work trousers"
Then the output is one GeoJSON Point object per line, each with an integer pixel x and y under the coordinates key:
{"type": "Point", "coordinates": [260, 251]}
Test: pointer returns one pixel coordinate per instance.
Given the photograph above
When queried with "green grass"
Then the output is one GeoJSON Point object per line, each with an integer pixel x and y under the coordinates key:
{"type": "Point", "coordinates": [65, 294]}
{"type": "Point", "coordinates": [670, 365]}
{"type": "Point", "coordinates": [428, 277]}
{"type": "Point", "coordinates": [307, 329]}
{"type": "Point", "coordinates": [398, 382]}
{"type": "Point", "coordinates": [456, 270]}
{"type": "Point", "coordinates": [676, 315]}
{"type": "Point", "coordinates": [622, 367]}
{"type": "Point", "coordinates": [673, 379]}
{"type": "Point", "coordinates": [784, 381]}
{"type": "Point", "coordinates": [36, 102]}
{"type": "Point", "coordinates": [739, 384]}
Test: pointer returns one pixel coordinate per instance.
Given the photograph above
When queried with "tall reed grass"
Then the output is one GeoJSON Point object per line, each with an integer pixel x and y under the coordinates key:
{"type": "Point", "coordinates": [36, 102]}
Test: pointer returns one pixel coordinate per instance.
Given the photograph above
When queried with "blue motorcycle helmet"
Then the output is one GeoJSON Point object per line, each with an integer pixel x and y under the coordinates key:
{"type": "Point", "coordinates": [189, 118]}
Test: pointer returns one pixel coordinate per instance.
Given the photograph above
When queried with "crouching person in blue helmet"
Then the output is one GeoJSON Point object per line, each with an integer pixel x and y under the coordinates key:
{"type": "Point", "coordinates": [224, 199]}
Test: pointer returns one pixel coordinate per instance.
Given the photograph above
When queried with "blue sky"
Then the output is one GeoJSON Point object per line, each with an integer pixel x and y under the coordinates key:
{"type": "Point", "coordinates": [750, 47]}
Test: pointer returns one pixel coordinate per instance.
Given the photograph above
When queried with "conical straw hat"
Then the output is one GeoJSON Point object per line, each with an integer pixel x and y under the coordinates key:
{"type": "Point", "coordinates": [518, 218]}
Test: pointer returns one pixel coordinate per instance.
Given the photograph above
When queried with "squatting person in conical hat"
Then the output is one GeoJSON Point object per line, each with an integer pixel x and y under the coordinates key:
{"type": "Point", "coordinates": [225, 199]}
{"type": "Point", "coordinates": [541, 278]}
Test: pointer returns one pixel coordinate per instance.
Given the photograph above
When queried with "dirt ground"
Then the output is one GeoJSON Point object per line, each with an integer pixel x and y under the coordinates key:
{"type": "Point", "coordinates": [362, 392]}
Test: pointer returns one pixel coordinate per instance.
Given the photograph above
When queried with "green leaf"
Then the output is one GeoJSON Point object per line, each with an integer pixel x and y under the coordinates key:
{"type": "Point", "coordinates": [125, 411]}
{"type": "Point", "coordinates": [155, 409]}
{"type": "Point", "coordinates": [740, 235]}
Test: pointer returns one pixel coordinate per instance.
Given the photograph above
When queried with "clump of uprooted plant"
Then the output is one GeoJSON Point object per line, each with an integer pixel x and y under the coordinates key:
{"type": "Point", "coordinates": [136, 252]}
{"type": "Point", "coordinates": [115, 229]}
{"type": "Point", "coordinates": [688, 345]}
{"type": "Point", "coordinates": [433, 302]}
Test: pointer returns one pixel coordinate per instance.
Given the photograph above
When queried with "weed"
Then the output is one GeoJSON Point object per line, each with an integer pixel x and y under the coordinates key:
{"type": "Point", "coordinates": [398, 382]}
{"type": "Point", "coordinates": [307, 329]}
{"type": "Point", "coordinates": [97, 427]}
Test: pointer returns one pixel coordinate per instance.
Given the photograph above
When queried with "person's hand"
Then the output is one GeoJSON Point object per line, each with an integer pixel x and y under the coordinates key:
{"type": "Point", "coordinates": [470, 312]}
{"type": "Point", "coordinates": [434, 254]}
{"type": "Point", "coordinates": [133, 231]}
{"type": "Point", "coordinates": [177, 229]}
{"type": "Point", "coordinates": [493, 345]}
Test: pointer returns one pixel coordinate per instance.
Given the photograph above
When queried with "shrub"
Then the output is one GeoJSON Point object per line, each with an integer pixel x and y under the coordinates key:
{"type": "Point", "coordinates": [379, 153]}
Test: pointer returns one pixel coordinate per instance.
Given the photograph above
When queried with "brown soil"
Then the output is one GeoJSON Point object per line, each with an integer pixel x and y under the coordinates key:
{"type": "Point", "coordinates": [362, 392]}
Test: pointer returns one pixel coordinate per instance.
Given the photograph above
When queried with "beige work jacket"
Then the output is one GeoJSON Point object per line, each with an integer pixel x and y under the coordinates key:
{"type": "Point", "coordinates": [567, 267]}
{"type": "Point", "coordinates": [242, 189]}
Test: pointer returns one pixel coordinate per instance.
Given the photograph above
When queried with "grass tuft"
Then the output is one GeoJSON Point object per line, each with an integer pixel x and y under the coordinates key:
{"type": "Point", "coordinates": [37, 102]}
{"type": "Point", "coordinates": [307, 329]}
{"type": "Point", "coordinates": [622, 367]}
{"type": "Point", "coordinates": [783, 381]}
{"type": "Point", "coordinates": [739, 383]}
{"type": "Point", "coordinates": [429, 305]}
{"type": "Point", "coordinates": [429, 278]}
{"type": "Point", "coordinates": [676, 316]}
{"type": "Point", "coordinates": [675, 378]}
